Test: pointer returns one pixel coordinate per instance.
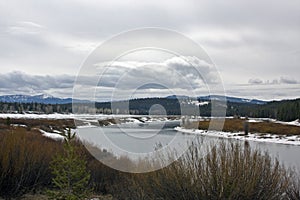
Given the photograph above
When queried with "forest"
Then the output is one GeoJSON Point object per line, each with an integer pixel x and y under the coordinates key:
{"type": "Point", "coordinates": [285, 110]}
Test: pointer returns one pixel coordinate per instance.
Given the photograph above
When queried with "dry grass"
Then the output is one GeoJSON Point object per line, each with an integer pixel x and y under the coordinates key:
{"type": "Point", "coordinates": [106, 122]}
{"type": "Point", "coordinates": [237, 125]}
{"type": "Point", "coordinates": [45, 124]}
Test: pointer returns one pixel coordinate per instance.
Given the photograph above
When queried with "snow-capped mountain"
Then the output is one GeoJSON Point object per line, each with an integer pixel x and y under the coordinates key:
{"type": "Point", "coordinates": [220, 98]}
{"type": "Point", "coordinates": [48, 99]}
{"type": "Point", "coordinates": [231, 99]}
{"type": "Point", "coordinates": [177, 97]}
{"type": "Point", "coordinates": [42, 98]}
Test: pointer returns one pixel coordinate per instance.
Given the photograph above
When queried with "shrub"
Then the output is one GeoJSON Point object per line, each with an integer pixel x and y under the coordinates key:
{"type": "Point", "coordinates": [227, 171]}
{"type": "Point", "coordinates": [293, 191]}
{"type": "Point", "coordinates": [24, 161]}
{"type": "Point", "coordinates": [25, 158]}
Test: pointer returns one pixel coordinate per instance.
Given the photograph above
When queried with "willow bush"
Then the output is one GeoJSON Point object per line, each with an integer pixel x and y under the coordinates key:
{"type": "Point", "coordinates": [24, 161]}
{"type": "Point", "coordinates": [226, 171]}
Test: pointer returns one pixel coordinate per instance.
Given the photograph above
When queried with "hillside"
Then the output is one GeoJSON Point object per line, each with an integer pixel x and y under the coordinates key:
{"type": "Point", "coordinates": [285, 110]}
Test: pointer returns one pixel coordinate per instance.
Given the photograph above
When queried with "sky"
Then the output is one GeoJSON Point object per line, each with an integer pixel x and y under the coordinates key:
{"type": "Point", "coordinates": [254, 45]}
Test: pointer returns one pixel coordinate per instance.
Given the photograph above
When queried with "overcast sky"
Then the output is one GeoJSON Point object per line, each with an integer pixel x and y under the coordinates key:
{"type": "Point", "coordinates": [254, 44]}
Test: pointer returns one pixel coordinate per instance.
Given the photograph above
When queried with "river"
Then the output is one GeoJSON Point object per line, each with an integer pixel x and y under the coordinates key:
{"type": "Point", "coordinates": [140, 139]}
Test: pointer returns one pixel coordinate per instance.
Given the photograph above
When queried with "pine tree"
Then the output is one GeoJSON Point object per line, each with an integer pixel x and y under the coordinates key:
{"type": "Point", "coordinates": [8, 121]}
{"type": "Point", "coordinates": [70, 174]}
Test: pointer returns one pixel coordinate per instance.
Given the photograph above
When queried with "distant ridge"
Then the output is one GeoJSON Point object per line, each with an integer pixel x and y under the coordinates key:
{"type": "Point", "coordinates": [48, 99]}
{"type": "Point", "coordinates": [284, 110]}
{"type": "Point", "coordinates": [231, 99]}
{"type": "Point", "coordinates": [221, 98]}
{"type": "Point", "coordinates": [41, 98]}
{"type": "Point", "coordinates": [177, 97]}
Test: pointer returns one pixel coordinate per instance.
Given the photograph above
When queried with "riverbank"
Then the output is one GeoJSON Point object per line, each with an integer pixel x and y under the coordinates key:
{"type": "Point", "coordinates": [267, 126]}
{"type": "Point", "coordinates": [260, 130]}
{"type": "Point", "coordinates": [53, 125]}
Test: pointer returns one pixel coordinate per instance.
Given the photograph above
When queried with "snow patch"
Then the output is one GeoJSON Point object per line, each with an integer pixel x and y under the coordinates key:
{"type": "Point", "coordinates": [279, 139]}
{"type": "Point", "coordinates": [54, 136]}
{"type": "Point", "coordinates": [53, 116]}
{"type": "Point", "coordinates": [295, 123]}
{"type": "Point", "coordinates": [19, 125]}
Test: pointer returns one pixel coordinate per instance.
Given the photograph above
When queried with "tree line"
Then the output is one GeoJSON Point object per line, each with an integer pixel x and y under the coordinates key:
{"type": "Point", "coordinates": [38, 108]}
{"type": "Point", "coordinates": [285, 110]}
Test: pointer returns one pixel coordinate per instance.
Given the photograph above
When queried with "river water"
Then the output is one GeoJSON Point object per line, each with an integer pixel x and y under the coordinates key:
{"type": "Point", "coordinates": [140, 139]}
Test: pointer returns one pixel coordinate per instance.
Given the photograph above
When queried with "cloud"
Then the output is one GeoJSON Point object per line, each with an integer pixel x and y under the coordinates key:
{"type": "Point", "coordinates": [288, 80]}
{"type": "Point", "coordinates": [62, 86]}
{"type": "Point", "coordinates": [25, 27]}
{"type": "Point", "coordinates": [255, 81]}
{"type": "Point", "coordinates": [175, 72]}
{"type": "Point", "coordinates": [264, 91]}
{"type": "Point", "coordinates": [54, 37]}
{"type": "Point", "coordinates": [19, 82]}
{"type": "Point", "coordinates": [281, 80]}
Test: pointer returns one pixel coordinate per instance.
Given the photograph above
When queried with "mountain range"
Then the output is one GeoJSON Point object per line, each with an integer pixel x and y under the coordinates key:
{"type": "Point", "coordinates": [41, 98]}
{"type": "Point", "coordinates": [48, 99]}
{"type": "Point", "coordinates": [284, 110]}
{"type": "Point", "coordinates": [221, 98]}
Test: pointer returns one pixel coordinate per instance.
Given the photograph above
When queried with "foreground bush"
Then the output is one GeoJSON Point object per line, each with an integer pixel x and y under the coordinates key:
{"type": "Point", "coordinates": [24, 161]}
{"type": "Point", "coordinates": [227, 171]}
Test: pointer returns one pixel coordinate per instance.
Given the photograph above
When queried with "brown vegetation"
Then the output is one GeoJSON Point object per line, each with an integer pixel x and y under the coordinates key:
{"type": "Point", "coordinates": [24, 160]}
{"type": "Point", "coordinates": [227, 171]}
{"type": "Point", "coordinates": [106, 122]}
{"type": "Point", "coordinates": [45, 124]}
{"type": "Point", "coordinates": [26, 155]}
{"type": "Point", "coordinates": [237, 125]}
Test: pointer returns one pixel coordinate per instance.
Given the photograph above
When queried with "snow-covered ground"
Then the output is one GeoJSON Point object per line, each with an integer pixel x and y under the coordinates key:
{"type": "Point", "coordinates": [50, 116]}
{"type": "Point", "coordinates": [90, 120]}
{"type": "Point", "coordinates": [294, 123]}
{"type": "Point", "coordinates": [197, 103]}
{"type": "Point", "coordinates": [55, 136]}
{"type": "Point", "coordinates": [293, 140]}
{"type": "Point", "coordinates": [80, 116]}
{"type": "Point", "coordinates": [19, 125]}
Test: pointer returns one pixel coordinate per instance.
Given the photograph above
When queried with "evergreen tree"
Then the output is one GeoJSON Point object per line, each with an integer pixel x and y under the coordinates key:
{"type": "Point", "coordinates": [8, 121]}
{"type": "Point", "coordinates": [70, 174]}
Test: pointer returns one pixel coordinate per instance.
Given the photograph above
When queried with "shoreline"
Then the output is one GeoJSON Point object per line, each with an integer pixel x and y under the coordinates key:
{"type": "Point", "coordinates": [256, 137]}
{"type": "Point", "coordinates": [49, 127]}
